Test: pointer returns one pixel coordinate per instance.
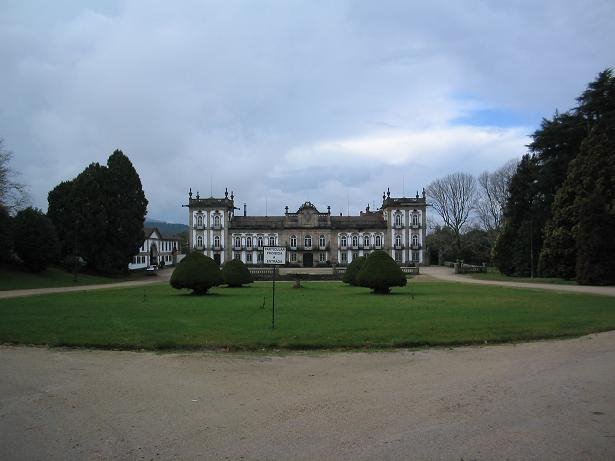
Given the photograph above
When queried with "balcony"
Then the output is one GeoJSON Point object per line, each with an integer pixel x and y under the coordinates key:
{"type": "Point", "coordinates": [217, 247]}
{"type": "Point", "coordinates": [399, 247]}
{"type": "Point", "coordinates": [217, 226]}
{"type": "Point", "coordinates": [415, 226]}
{"type": "Point", "coordinates": [398, 226]}
{"type": "Point", "coordinates": [415, 247]}
{"type": "Point", "coordinates": [199, 227]}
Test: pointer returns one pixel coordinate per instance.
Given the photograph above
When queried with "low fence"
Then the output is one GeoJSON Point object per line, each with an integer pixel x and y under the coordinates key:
{"type": "Point", "coordinates": [461, 268]}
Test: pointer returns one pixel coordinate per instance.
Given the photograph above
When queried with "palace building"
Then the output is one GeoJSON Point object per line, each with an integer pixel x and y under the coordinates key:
{"type": "Point", "coordinates": [311, 237]}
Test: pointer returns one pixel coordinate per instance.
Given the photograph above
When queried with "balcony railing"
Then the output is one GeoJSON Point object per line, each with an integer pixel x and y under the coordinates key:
{"type": "Point", "coordinates": [415, 247]}
{"type": "Point", "coordinates": [398, 226]}
{"type": "Point", "coordinates": [200, 247]}
{"type": "Point", "coordinates": [199, 226]}
{"type": "Point", "coordinates": [399, 247]}
{"type": "Point", "coordinates": [217, 226]}
{"type": "Point", "coordinates": [415, 226]}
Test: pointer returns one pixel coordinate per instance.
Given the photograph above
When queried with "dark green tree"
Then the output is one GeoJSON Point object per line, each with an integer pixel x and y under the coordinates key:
{"type": "Point", "coordinates": [6, 235]}
{"type": "Point", "coordinates": [125, 208]}
{"type": "Point", "coordinates": [352, 271]}
{"type": "Point", "coordinates": [517, 246]}
{"type": "Point", "coordinates": [196, 272]}
{"type": "Point", "coordinates": [380, 272]}
{"type": "Point", "coordinates": [99, 214]}
{"type": "Point", "coordinates": [235, 273]}
{"type": "Point", "coordinates": [587, 173]}
{"type": "Point", "coordinates": [35, 239]}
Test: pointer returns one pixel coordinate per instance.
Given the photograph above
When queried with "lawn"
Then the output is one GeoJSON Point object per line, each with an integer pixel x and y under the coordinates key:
{"type": "Point", "coordinates": [13, 279]}
{"type": "Point", "coordinates": [494, 274]}
{"type": "Point", "coordinates": [320, 315]}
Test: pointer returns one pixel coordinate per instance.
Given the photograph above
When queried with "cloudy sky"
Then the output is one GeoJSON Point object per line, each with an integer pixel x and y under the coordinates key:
{"type": "Point", "coordinates": [287, 101]}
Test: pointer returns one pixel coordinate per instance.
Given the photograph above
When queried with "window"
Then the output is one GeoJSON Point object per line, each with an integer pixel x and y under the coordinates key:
{"type": "Point", "coordinates": [271, 241]}
{"type": "Point", "coordinates": [217, 241]}
{"type": "Point", "coordinates": [307, 240]}
{"type": "Point", "coordinates": [343, 241]}
{"type": "Point", "coordinates": [216, 220]}
{"type": "Point", "coordinates": [238, 256]}
{"type": "Point", "coordinates": [366, 241]}
{"type": "Point", "coordinates": [237, 242]}
{"type": "Point", "coordinates": [293, 257]}
{"type": "Point", "coordinates": [415, 256]}
{"type": "Point", "coordinates": [259, 257]}
{"type": "Point", "coordinates": [378, 241]}
{"type": "Point", "coordinates": [398, 219]}
{"type": "Point", "coordinates": [355, 255]}
{"type": "Point", "coordinates": [321, 241]}
{"type": "Point", "coordinates": [199, 241]}
{"type": "Point", "coordinates": [398, 240]}
{"type": "Point", "coordinates": [293, 241]}
{"type": "Point", "coordinates": [344, 257]}
{"type": "Point", "coordinates": [259, 241]}
{"type": "Point", "coordinates": [322, 257]}
{"type": "Point", "coordinates": [415, 240]}
{"type": "Point", "coordinates": [415, 219]}
{"type": "Point", "coordinates": [249, 257]}
{"type": "Point", "coordinates": [398, 255]}
{"type": "Point", "coordinates": [249, 244]}
{"type": "Point", "coordinates": [199, 220]}
{"type": "Point", "coordinates": [355, 241]}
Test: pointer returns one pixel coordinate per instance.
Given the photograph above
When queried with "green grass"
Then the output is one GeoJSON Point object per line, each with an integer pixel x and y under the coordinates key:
{"type": "Point", "coordinates": [320, 315]}
{"type": "Point", "coordinates": [14, 279]}
{"type": "Point", "coordinates": [493, 274]}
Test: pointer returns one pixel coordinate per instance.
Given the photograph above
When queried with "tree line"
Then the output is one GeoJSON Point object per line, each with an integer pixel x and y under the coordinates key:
{"type": "Point", "coordinates": [550, 214]}
{"type": "Point", "coordinates": [93, 220]}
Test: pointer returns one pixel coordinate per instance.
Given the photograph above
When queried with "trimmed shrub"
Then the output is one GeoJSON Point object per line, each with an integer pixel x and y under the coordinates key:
{"type": "Point", "coordinates": [380, 273]}
{"type": "Point", "coordinates": [196, 272]}
{"type": "Point", "coordinates": [235, 273]}
{"type": "Point", "coordinates": [35, 239]}
{"type": "Point", "coordinates": [352, 271]}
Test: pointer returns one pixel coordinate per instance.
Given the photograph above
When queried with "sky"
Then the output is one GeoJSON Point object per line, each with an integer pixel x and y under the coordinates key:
{"type": "Point", "coordinates": [287, 101]}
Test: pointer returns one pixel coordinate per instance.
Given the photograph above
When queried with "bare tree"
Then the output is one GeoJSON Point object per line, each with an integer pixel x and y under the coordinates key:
{"type": "Point", "coordinates": [13, 195]}
{"type": "Point", "coordinates": [492, 195]}
{"type": "Point", "coordinates": [453, 197]}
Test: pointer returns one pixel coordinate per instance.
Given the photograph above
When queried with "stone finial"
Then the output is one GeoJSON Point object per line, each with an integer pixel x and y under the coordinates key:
{"type": "Point", "coordinates": [423, 192]}
{"type": "Point", "coordinates": [329, 209]}
{"type": "Point", "coordinates": [226, 192]}
{"type": "Point", "coordinates": [232, 196]}
{"type": "Point", "coordinates": [286, 209]}
{"type": "Point", "coordinates": [383, 196]}
{"type": "Point", "coordinates": [367, 208]}
{"type": "Point", "coordinates": [197, 195]}
{"type": "Point", "coordinates": [190, 193]}
{"type": "Point", "coordinates": [388, 193]}
{"type": "Point", "coordinates": [417, 194]}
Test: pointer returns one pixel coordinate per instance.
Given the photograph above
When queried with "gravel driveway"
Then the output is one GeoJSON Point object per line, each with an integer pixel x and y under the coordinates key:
{"type": "Point", "coordinates": [541, 400]}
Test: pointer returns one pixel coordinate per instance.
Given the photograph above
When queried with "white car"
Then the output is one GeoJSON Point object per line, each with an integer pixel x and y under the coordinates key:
{"type": "Point", "coordinates": [151, 270]}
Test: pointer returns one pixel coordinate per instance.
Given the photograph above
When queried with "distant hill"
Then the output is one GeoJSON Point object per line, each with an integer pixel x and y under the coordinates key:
{"type": "Point", "coordinates": [166, 228]}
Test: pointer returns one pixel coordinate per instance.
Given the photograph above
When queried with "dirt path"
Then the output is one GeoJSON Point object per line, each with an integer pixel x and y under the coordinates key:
{"type": "Point", "coordinates": [542, 400]}
{"type": "Point", "coordinates": [162, 276]}
{"type": "Point", "coordinates": [446, 273]}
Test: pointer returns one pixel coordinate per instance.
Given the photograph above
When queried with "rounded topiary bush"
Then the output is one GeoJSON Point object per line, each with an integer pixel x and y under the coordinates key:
{"type": "Point", "coordinates": [350, 276]}
{"type": "Point", "coordinates": [196, 272]}
{"type": "Point", "coordinates": [235, 273]}
{"type": "Point", "coordinates": [380, 273]}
